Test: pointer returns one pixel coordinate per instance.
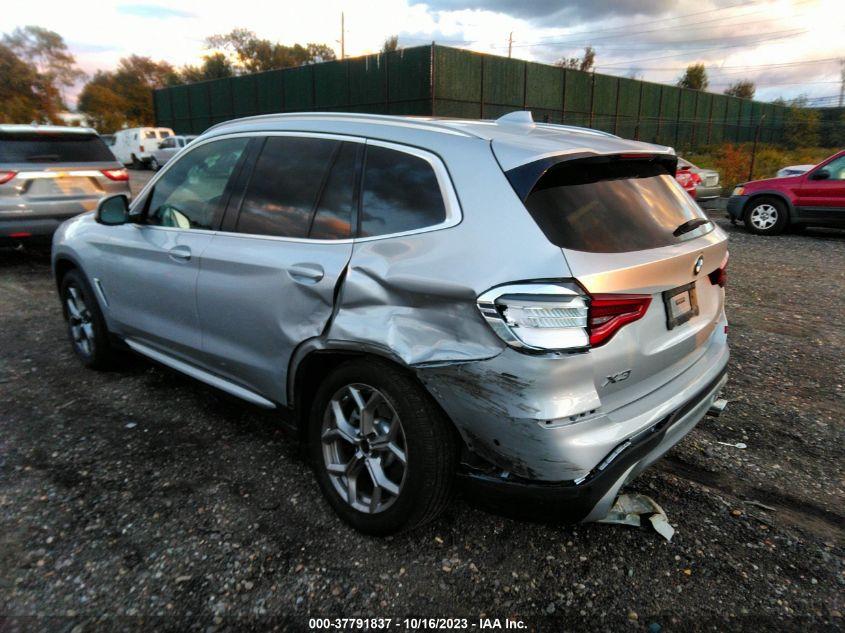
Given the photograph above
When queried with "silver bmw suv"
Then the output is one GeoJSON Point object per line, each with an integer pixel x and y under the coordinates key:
{"type": "Point", "coordinates": [535, 310]}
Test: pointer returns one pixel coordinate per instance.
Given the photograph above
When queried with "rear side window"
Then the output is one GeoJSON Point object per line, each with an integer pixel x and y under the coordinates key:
{"type": "Point", "coordinates": [282, 193]}
{"type": "Point", "coordinates": [45, 147]}
{"type": "Point", "coordinates": [400, 193]}
{"type": "Point", "coordinates": [607, 205]}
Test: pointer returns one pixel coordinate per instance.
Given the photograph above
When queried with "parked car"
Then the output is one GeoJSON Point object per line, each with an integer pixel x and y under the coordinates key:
{"type": "Point", "coordinates": [50, 173]}
{"type": "Point", "coordinates": [535, 309]}
{"type": "Point", "coordinates": [816, 198]}
{"type": "Point", "coordinates": [794, 170]}
{"type": "Point", "coordinates": [708, 186]}
{"type": "Point", "coordinates": [167, 149]}
{"type": "Point", "coordinates": [688, 179]}
{"type": "Point", "coordinates": [135, 146]}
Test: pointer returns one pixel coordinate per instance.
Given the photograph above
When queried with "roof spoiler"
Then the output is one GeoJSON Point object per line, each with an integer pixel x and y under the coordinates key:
{"type": "Point", "coordinates": [524, 178]}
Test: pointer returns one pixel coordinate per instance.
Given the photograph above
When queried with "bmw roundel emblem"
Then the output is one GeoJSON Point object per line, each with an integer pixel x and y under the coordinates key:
{"type": "Point", "coordinates": [698, 264]}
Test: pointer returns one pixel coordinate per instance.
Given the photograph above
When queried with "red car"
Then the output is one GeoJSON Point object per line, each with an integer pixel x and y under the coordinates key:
{"type": "Point", "coordinates": [816, 198]}
{"type": "Point", "coordinates": [687, 178]}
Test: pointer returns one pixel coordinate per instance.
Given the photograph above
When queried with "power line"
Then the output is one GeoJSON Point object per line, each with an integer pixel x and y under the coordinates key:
{"type": "Point", "coordinates": [712, 48]}
{"type": "Point", "coordinates": [736, 68]}
{"type": "Point", "coordinates": [628, 33]}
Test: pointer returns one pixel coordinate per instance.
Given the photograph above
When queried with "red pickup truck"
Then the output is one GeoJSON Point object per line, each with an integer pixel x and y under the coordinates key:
{"type": "Point", "coordinates": [816, 198]}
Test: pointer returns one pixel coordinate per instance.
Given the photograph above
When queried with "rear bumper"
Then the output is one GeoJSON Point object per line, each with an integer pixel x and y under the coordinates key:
{"type": "Point", "coordinates": [590, 498]}
{"type": "Point", "coordinates": [707, 193]}
{"type": "Point", "coordinates": [15, 230]}
{"type": "Point", "coordinates": [735, 206]}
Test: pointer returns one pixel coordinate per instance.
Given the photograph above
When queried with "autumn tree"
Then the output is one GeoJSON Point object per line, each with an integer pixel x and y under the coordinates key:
{"type": "Point", "coordinates": [19, 91]}
{"type": "Point", "coordinates": [214, 66]}
{"type": "Point", "coordinates": [44, 53]}
{"type": "Point", "coordinates": [254, 54]}
{"type": "Point", "coordinates": [390, 44]}
{"type": "Point", "coordinates": [694, 78]}
{"type": "Point", "coordinates": [125, 96]}
{"type": "Point", "coordinates": [585, 63]}
{"type": "Point", "coordinates": [744, 89]}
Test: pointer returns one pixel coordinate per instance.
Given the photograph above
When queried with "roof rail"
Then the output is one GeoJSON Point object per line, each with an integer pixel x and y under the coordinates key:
{"type": "Point", "coordinates": [384, 119]}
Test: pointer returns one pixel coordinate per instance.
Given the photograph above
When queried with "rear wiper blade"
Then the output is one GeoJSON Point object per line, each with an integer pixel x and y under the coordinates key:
{"type": "Point", "coordinates": [690, 225]}
{"type": "Point", "coordinates": [39, 157]}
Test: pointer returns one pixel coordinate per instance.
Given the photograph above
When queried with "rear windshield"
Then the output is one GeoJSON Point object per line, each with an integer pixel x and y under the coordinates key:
{"type": "Point", "coordinates": [611, 205]}
{"type": "Point", "coordinates": [45, 147]}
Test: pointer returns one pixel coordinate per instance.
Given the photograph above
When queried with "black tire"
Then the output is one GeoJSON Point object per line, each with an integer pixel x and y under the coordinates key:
{"type": "Point", "coordinates": [429, 442]}
{"type": "Point", "coordinates": [136, 164]}
{"type": "Point", "coordinates": [99, 353]}
{"type": "Point", "coordinates": [758, 216]}
{"type": "Point", "coordinates": [154, 164]}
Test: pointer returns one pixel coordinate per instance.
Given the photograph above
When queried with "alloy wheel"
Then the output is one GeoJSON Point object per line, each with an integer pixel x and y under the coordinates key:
{"type": "Point", "coordinates": [764, 216]}
{"type": "Point", "coordinates": [364, 448]}
{"type": "Point", "coordinates": [80, 321]}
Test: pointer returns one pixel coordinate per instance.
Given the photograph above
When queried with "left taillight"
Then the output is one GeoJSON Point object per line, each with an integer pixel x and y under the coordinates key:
{"type": "Point", "coordinates": [115, 174]}
{"type": "Point", "coordinates": [719, 277]}
{"type": "Point", "coordinates": [6, 176]}
{"type": "Point", "coordinates": [558, 316]}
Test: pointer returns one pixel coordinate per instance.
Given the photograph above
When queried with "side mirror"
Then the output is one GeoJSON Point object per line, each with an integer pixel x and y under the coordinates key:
{"type": "Point", "coordinates": [113, 210]}
{"type": "Point", "coordinates": [821, 174]}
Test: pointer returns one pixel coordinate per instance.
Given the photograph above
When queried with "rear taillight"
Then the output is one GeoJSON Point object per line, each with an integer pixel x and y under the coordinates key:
{"type": "Point", "coordinates": [719, 277]}
{"type": "Point", "coordinates": [538, 316]}
{"type": "Point", "coordinates": [115, 174]}
{"type": "Point", "coordinates": [558, 316]}
{"type": "Point", "coordinates": [609, 313]}
{"type": "Point", "coordinates": [141, 147]}
{"type": "Point", "coordinates": [6, 176]}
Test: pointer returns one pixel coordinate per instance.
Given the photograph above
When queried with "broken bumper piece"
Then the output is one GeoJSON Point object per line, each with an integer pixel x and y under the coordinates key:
{"type": "Point", "coordinates": [591, 497]}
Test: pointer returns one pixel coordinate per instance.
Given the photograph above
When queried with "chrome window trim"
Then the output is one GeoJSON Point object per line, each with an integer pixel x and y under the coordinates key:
{"type": "Point", "coordinates": [451, 204]}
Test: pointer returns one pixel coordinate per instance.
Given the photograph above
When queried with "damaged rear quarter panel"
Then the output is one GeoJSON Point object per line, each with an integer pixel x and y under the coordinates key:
{"type": "Point", "coordinates": [415, 294]}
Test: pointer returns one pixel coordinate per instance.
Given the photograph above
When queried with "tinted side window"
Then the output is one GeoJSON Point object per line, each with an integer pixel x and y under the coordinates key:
{"type": "Point", "coordinates": [333, 219]}
{"type": "Point", "coordinates": [400, 193]}
{"type": "Point", "coordinates": [284, 186]}
{"type": "Point", "coordinates": [189, 194]}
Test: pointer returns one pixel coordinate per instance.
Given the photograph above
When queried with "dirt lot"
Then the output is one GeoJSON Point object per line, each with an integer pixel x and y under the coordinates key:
{"type": "Point", "coordinates": [139, 497]}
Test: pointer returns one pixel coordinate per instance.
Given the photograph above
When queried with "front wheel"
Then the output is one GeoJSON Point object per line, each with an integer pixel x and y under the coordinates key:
{"type": "Point", "coordinates": [86, 326]}
{"type": "Point", "coordinates": [766, 216]}
{"type": "Point", "coordinates": [382, 452]}
{"type": "Point", "coordinates": [154, 164]}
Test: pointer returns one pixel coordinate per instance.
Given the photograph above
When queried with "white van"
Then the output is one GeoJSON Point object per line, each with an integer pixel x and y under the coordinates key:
{"type": "Point", "coordinates": [134, 146]}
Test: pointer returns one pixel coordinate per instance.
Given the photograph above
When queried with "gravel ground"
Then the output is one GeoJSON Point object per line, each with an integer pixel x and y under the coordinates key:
{"type": "Point", "coordinates": [141, 498]}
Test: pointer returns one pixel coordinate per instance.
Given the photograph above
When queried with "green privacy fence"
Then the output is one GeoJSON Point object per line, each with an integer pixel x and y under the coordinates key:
{"type": "Point", "coordinates": [450, 82]}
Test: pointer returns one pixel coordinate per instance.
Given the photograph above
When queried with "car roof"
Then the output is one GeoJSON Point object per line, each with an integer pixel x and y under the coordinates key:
{"type": "Point", "coordinates": [515, 137]}
{"type": "Point", "coordinates": [46, 129]}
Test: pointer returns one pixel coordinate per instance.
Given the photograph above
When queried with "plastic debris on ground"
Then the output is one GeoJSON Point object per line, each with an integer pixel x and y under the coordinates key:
{"type": "Point", "coordinates": [630, 509]}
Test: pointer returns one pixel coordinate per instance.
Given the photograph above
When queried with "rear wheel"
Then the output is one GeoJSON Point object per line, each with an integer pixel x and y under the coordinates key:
{"type": "Point", "coordinates": [383, 453]}
{"type": "Point", "coordinates": [136, 164]}
{"type": "Point", "coordinates": [86, 326]}
{"type": "Point", "coordinates": [766, 216]}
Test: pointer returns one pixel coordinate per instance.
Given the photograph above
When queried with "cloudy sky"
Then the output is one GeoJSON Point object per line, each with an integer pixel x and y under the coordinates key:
{"type": "Point", "coordinates": [788, 47]}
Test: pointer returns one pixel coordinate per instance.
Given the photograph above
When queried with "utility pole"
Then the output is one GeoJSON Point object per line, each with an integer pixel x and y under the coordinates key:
{"type": "Point", "coordinates": [342, 36]}
{"type": "Point", "coordinates": [510, 46]}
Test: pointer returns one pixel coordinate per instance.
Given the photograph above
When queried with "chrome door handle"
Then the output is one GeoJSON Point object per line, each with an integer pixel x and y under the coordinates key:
{"type": "Point", "coordinates": [306, 273]}
{"type": "Point", "coordinates": [182, 253]}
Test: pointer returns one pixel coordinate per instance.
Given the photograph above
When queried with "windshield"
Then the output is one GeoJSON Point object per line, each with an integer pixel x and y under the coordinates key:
{"type": "Point", "coordinates": [50, 147]}
{"type": "Point", "coordinates": [612, 205]}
